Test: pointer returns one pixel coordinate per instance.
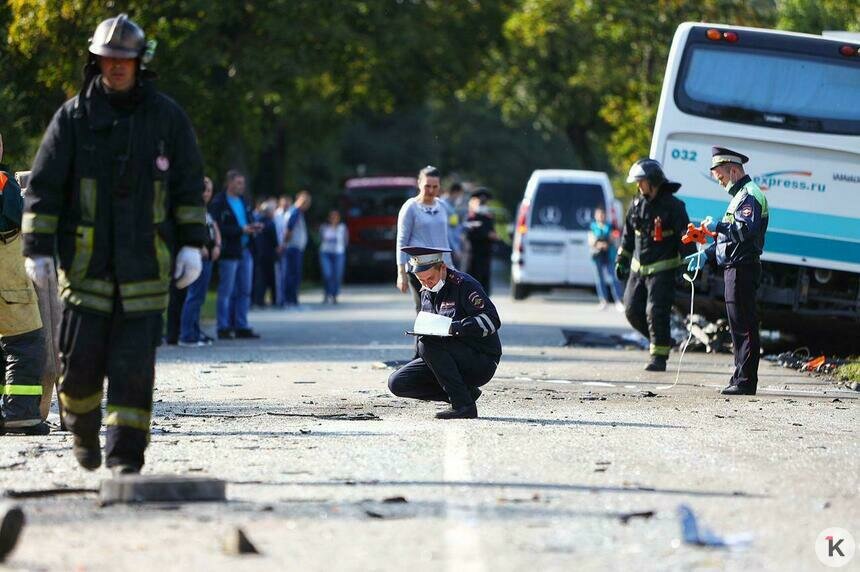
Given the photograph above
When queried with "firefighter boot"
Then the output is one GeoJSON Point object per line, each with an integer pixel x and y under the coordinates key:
{"type": "Point", "coordinates": [657, 363]}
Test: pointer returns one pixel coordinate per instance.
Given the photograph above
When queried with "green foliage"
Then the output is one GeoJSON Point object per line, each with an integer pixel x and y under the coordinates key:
{"type": "Point", "coordinates": [300, 93]}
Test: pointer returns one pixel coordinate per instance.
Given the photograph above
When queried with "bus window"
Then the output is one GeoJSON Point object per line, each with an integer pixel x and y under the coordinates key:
{"type": "Point", "coordinates": [787, 90]}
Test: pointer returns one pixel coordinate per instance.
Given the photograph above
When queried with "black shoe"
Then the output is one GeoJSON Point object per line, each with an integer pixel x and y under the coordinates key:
{"type": "Point", "coordinates": [658, 363]}
{"type": "Point", "coordinates": [41, 428]}
{"type": "Point", "coordinates": [11, 524]}
{"type": "Point", "coordinates": [738, 390]}
{"type": "Point", "coordinates": [121, 470]}
{"type": "Point", "coordinates": [88, 452]}
{"type": "Point", "coordinates": [466, 412]}
{"type": "Point", "coordinates": [225, 334]}
{"type": "Point", "coordinates": [247, 333]}
{"type": "Point", "coordinates": [476, 393]}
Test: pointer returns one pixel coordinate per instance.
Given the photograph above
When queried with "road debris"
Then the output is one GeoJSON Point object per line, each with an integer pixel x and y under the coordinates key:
{"type": "Point", "coordinates": [627, 516]}
{"type": "Point", "coordinates": [137, 488]}
{"type": "Point", "coordinates": [237, 543]}
{"type": "Point", "coordinates": [41, 493]}
{"type": "Point", "coordinates": [693, 534]}
{"type": "Point", "coordinates": [362, 416]}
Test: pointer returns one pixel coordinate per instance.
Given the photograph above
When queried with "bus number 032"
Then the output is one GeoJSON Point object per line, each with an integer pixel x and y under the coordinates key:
{"type": "Point", "coordinates": [684, 154]}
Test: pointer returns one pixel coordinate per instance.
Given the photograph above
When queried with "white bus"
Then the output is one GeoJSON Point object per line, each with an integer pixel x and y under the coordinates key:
{"type": "Point", "coordinates": [791, 102]}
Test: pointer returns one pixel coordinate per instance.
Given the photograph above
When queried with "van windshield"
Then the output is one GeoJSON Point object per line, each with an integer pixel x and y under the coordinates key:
{"type": "Point", "coordinates": [785, 90]}
{"type": "Point", "coordinates": [566, 206]}
{"type": "Point", "coordinates": [377, 201]}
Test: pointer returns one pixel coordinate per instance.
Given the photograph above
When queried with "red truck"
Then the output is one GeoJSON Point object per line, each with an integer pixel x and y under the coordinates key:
{"type": "Point", "coordinates": [370, 206]}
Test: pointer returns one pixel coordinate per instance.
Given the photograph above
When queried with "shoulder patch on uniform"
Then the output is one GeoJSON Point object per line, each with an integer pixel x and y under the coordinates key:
{"type": "Point", "coordinates": [747, 211]}
{"type": "Point", "coordinates": [476, 300]}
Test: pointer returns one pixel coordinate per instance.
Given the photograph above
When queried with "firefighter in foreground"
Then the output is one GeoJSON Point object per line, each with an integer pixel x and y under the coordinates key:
{"type": "Point", "coordinates": [650, 255]}
{"type": "Point", "coordinates": [117, 181]}
{"type": "Point", "coordinates": [737, 249]}
{"type": "Point", "coordinates": [22, 344]}
{"type": "Point", "coordinates": [450, 368]}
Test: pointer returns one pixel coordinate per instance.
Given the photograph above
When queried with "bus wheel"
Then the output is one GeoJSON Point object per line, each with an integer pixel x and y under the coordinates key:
{"type": "Point", "coordinates": [519, 291]}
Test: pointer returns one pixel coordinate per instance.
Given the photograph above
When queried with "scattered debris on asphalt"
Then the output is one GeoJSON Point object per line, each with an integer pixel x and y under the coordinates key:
{"type": "Point", "coordinates": [237, 543]}
{"type": "Point", "coordinates": [592, 339]}
{"type": "Point", "coordinates": [627, 516]}
{"type": "Point", "coordinates": [136, 488]}
{"type": "Point", "coordinates": [362, 416]}
{"type": "Point", "coordinates": [395, 500]}
{"type": "Point", "coordinates": [41, 493]}
{"type": "Point", "coordinates": [693, 534]}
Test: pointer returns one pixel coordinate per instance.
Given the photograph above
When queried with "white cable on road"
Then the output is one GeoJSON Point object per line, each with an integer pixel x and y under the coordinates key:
{"type": "Point", "coordinates": [692, 282]}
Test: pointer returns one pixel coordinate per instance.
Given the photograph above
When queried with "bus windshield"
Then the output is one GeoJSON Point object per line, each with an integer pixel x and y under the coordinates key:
{"type": "Point", "coordinates": [784, 90]}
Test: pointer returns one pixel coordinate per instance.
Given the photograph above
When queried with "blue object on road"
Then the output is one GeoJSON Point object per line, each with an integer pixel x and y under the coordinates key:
{"type": "Point", "coordinates": [692, 533]}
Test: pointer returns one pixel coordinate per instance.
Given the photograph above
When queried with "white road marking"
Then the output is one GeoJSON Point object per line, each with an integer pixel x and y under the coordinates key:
{"type": "Point", "coordinates": [598, 383]}
{"type": "Point", "coordinates": [462, 539]}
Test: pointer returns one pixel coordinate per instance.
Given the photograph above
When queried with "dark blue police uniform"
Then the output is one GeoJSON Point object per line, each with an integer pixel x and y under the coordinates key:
{"type": "Point", "coordinates": [738, 247]}
{"type": "Point", "coordinates": [452, 368]}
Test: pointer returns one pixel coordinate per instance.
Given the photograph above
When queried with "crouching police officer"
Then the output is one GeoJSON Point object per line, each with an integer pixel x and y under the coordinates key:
{"type": "Point", "coordinates": [22, 344]}
{"type": "Point", "coordinates": [738, 248]}
{"type": "Point", "coordinates": [116, 183]}
{"type": "Point", "coordinates": [650, 254]}
{"type": "Point", "coordinates": [450, 368]}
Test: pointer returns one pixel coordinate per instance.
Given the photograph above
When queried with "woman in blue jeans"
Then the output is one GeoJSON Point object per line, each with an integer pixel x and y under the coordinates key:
{"type": "Point", "coordinates": [190, 334]}
{"type": "Point", "coordinates": [333, 240]}
{"type": "Point", "coordinates": [603, 258]}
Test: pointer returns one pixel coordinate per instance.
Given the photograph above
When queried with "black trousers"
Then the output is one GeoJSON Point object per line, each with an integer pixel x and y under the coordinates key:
{"type": "Point", "coordinates": [123, 348]}
{"type": "Point", "coordinates": [445, 370]}
{"type": "Point", "coordinates": [741, 285]}
{"type": "Point", "coordinates": [648, 306]}
{"type": "Point", "coordinates": [22, 360]}
{"type": "Point", "coordinates": [174, 312]}
{"type": "Point", "coordinates": [264, 281]}
{"type": "Point", "coordinates": [479, 269]}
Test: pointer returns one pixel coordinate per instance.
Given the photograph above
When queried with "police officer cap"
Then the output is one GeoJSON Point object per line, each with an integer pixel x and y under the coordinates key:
{"type": "Point", "coordinates": [721, 156]}
{"type": "Point", "coordinates": [118, 37]}
{"type": "Point", "coordinates": [482, 193]}
{"type": "Point", "coordinates": [424, 257]}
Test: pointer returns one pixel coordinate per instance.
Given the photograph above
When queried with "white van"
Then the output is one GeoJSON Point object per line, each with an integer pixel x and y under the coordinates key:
{"type": "Point", "coordinates": [550, 246]}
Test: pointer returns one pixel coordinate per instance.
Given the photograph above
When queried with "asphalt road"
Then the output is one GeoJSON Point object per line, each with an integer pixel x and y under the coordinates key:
{"type": "Point", "coordinates": [327, 471]}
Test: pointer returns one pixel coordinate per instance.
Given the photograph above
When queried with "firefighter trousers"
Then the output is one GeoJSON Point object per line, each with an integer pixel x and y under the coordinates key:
{"type": "Point", "coordinates": [22, 359]}
{"type": "Point", "coordinates": [122, 348]}
{"type": "Point", "coordinates": [648, 306]}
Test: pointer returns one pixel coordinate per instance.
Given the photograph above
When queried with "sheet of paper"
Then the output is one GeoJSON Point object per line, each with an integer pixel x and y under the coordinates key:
{"type": "Point", "coordinates": [428, 324]}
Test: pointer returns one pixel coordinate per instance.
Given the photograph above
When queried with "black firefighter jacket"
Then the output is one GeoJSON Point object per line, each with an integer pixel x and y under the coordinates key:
{"type": "Point", "coordinates": [653, 230]}
{"type": "Point", "coordinates": [115, 189]}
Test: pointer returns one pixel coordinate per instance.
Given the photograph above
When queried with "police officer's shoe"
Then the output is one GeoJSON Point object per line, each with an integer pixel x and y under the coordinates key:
{"type": "Point", "coordinates": [737, 390]}
{"type": "Point", "coordinates": [88, 452]}
{"type": "Point", "coordinates": [465, 412]}
{"type": "Point", "coordinates": [225, 334]}
{"type": "Point", "coordinates": [11, 524]}
{"type": "Point", "coordinates": [120, 470]}
{"type": "Point", "coordinates": [657, 363]}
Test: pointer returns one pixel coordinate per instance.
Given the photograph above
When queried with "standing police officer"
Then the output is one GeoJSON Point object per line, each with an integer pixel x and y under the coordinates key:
{"type": "Point", "coordinates": [738, 248]}
{"type": "Point", "coordinates": [450, 368]}
{"type": "Point", "coordinates": [650, 255]}
{"type": "Point", "coordinates": [22, 343]}
{"type": "Point", "coordinates": [117, 179]}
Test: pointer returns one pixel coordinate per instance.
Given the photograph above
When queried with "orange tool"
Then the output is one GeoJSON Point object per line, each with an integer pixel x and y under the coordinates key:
{"type": "Point", "coordinates": [697, 234]}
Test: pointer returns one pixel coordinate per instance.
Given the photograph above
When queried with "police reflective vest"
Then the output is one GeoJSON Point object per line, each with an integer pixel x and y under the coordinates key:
{"type": "Point", "coordinates": [741, 232]}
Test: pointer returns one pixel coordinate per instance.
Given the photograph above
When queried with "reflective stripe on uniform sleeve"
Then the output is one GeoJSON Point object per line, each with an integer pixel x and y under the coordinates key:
{"type": "Point", "coordinates": [482, 325]}
{"type": "Point", "coordinates": [128, 417]}
{"type": "Point", "coordinates": [35, 223]}
{"type": "Point", "coordinates": [491, 328]}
